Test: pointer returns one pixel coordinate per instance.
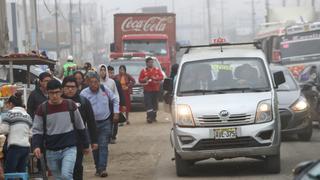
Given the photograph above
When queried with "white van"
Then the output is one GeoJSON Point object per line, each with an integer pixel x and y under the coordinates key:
{"type": "Point", "coordinates": [224, 105]}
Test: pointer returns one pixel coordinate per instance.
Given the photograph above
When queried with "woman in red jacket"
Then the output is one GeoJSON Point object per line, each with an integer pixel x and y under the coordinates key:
{"type": "Point", "coordinates": [126, 81]}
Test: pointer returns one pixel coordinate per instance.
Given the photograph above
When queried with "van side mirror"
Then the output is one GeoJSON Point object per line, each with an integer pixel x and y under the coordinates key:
{"type": "Point", "coordinates": [178, 46]}
{"type": "Point", "coordinates": [168, 84]}
{"type": "Point", "coordinates": [112, 47]}
{"type": "Point", "coordinates": [279, 78]}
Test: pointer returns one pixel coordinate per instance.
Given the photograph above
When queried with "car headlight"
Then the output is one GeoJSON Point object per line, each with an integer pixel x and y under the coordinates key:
{"type": "Point", "coordinates": [184, 117]}
{"type": "Point", "coordinates": [264, 112]}
{"type": "Point", "coordinates": [300, 105]}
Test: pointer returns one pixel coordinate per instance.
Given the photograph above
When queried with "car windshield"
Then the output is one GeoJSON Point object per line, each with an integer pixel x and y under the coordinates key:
{"type": "Point", "coordinates": [133, 67]}
{"type": "Point", "coordinates": [223, 76]}
{"type": "Point", "coordinates": [156, 47]}
{"type": "Point", "coordinates": [290, 84]}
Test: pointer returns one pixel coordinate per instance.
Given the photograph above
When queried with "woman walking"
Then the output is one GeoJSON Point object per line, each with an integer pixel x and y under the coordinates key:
{"type": "Point", "coordinates": [16, 124]}
{"type": "Point", "coordinates": [126, 81]}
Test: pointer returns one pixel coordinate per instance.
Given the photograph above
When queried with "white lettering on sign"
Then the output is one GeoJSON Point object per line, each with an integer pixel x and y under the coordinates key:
{"type": "Point", "coordinates": [153, 24]}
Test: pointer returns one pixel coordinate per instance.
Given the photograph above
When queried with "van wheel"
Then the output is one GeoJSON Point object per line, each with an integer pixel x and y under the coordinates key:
{"type": "Point", "coordinates": [306, 136]}
{"type": "Point", "coordinates": [182, 166]}
{"type": "Point", "coordinates": [272, 164]}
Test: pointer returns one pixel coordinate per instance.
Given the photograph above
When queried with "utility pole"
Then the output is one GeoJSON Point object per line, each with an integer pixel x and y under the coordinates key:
{"type": "Point", "coordinates": [267, 10]}
{"type": "Point", "coordinates": [57, 29]}
{"type": "Point", "coordinates": [35, 9]}
{"type": "Point", "coordinates": [4, 37]}
{"type": "Point", "coordinates": [253, 18]}
{"type": "Point", "coordinates": [80, 14]}
{"type": "Point", "coordinates": [222, 18]}
{"type": "Point", "coordinates": [102, 25]}
{"type": "Point", "coordinates": [70, 26]}
{"type": "Point", "coordinates": [209, 21]}
{"type": "Point", "coordinates": [284, 3]}
{"type": "Point", "coordinates": [26, 26]}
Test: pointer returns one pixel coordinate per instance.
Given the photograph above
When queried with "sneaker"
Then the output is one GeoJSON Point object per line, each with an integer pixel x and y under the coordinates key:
{"type": "Point", "coordinates": [113, 141]}
{"type": "Point", "coordinates": [149, 121]}
{"type": "Point", "coordinates": [128, 122]}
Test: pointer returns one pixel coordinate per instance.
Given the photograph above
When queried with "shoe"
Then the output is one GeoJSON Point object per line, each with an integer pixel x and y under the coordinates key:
{"type": "Point", "coordinates": [103, 174]}
{"type": "Point", "coordinates": [155, 120]}
{"type": "Point", "coordinates": [113, 141]}
{"type": "Point", "coordinates": [149, 121]}
{"type": "Point", "coordinates": [128, 122]}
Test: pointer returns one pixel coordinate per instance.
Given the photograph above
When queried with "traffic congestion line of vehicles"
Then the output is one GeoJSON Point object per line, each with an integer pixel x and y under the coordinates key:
{"type": "Point", "coordinates": [229, 101]}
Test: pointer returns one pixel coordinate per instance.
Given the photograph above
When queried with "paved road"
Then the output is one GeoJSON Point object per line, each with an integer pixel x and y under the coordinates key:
{"type": "Point", "coordinates": [143, 152]}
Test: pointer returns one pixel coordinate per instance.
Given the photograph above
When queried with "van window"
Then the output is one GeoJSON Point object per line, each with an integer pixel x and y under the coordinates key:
{"type": "Point", "coordinates": [223, 76]}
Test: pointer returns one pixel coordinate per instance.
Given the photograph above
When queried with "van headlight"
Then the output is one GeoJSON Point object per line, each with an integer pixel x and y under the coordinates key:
{"type": "Point", "coordinates": [184, 117]}
{"type": "Point", "coordinates": [300, 105]}
{"type": "Point", "coordinates": [264, 112]}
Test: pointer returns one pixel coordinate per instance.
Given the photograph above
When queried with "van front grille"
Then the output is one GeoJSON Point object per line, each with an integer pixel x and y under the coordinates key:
{"type": "Point", "coordinates": [233, 119]}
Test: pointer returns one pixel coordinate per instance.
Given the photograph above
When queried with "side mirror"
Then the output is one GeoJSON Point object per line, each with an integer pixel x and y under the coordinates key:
{"type": "Point", "coordinates": [279, 78]}
{"type": "Point", "coordinates": [168, 84]}
{"type": "Point", "coordinates": [178, 46]}
{"type": "Point", "coordinates": [112, 47]}
{"type": "Point", "coordinates": [301, 166]}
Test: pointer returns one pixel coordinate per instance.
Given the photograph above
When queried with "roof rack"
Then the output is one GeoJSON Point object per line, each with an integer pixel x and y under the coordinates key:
{"type": "Point", "coordinates": [256, 44]}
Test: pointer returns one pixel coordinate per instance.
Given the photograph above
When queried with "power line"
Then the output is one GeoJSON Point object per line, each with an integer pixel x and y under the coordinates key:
{"type": "Point", "coordinates": [45, 4]}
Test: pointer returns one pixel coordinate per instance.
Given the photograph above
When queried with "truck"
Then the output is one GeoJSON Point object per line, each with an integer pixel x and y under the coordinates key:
{"type": "Point", "coordinates": [153, 33]}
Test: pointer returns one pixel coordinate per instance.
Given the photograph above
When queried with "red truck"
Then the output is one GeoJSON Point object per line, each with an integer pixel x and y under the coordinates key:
{"type": "Point", "coordinates": [150, 33]}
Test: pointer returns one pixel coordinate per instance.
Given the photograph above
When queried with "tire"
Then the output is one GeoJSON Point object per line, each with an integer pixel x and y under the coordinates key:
{"type": "Point", "coordinates": [182, 166]}
{"type": "Point", "coordinates": [306, 136]}
{"type": "Point", "coordinates": [272, 164]}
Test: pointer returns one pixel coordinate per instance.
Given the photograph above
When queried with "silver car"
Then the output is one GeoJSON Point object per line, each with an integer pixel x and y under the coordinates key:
{"type": "Point", "coordinates": [224, 105]}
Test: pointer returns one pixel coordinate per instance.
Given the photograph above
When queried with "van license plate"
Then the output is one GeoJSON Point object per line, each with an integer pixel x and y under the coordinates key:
{"type": "Point", "coordinates": [225, 133]}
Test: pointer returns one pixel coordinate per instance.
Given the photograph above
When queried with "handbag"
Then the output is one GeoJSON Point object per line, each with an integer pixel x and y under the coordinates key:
{"type": "Point", "coordinates": [122, 118]}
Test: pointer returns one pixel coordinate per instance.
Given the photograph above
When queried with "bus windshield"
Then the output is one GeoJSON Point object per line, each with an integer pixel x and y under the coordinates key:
{"type": "Point", "coordinates": [300, 47]}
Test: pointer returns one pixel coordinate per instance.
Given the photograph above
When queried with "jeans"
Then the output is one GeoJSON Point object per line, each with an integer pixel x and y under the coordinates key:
{"type": "Point", "coordinates": [16, 159]}
{"type": "Point", "coordinates": [61, 162]}
{"type": "Point", "coordinates": [151, 103]}
{"type": "Point", "coordinates": [78, 167]}
{"type": "Point", "coordinates": [100, 155]}
{"type": "Point", "coordinates": [115, 127]}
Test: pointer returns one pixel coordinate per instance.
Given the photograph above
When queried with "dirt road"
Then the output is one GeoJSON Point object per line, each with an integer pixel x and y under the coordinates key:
{"type": "Point", "coordinates": [138, 149]}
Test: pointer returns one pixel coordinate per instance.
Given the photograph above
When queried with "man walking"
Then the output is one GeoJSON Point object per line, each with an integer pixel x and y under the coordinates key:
{"type": "Point", "coordinates": [70, 91]}
{"type": "Point", "coordinates": [100, 96]}
{"type": "Point", "coordinates": [39, 95]}
{"type": "Point", "coordinates": [151, 77]}
{"type": "Point", "coordinates": [57, 127]}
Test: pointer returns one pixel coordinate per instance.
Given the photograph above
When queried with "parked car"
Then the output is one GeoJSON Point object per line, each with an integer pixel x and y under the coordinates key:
{"type": "Point", "coordinates": [308, 170]}
{"type": "Point", "coordinates": [134, 66]}
{"type": "Point", "coordinates": [295, 111]}
{"type": "Point", "coordinates": [224, 105]}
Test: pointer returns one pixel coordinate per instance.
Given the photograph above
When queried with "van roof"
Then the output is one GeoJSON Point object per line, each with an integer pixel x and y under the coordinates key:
{"type": "Point", "coordinates": [227, 52]}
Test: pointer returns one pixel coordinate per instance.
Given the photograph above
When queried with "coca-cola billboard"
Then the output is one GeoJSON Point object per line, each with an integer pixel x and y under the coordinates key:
{"type": "Point", "coordinates": [152, 24]}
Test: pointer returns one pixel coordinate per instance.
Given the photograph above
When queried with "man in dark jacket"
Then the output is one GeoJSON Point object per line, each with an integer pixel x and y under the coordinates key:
{"type": "Point", "coordinates": [39, 95]}
{"type": "Point", "coordinates": [122, 103]}
{"type": "Point", "coordinates": [70, 91]}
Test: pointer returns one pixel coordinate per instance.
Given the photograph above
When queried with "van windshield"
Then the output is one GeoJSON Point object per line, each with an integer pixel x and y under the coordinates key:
{"type": "Point", "coordinates": [223, 76]}
{"type": "Point", "coordinates": [156, 47]}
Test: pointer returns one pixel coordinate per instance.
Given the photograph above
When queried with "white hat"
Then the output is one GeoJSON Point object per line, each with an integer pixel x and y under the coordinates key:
{"type": "Point", "coordinates": [70, 58]}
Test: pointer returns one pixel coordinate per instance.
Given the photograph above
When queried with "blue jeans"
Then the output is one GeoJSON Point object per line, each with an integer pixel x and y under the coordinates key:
{"type": "Point", "coordinates": [100, 155]}
{"type": "Point", "coordinates": [16, 159]}
{"type": "Point", "coordinates": [61, 162]}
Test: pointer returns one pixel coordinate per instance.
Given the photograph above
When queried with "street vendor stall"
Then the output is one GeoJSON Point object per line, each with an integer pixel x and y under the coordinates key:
{"type": "Point", "coordinates": [24, 59]}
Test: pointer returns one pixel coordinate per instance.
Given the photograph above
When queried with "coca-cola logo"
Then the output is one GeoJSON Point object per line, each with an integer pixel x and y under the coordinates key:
{"type": "Point", "coordinates": [153, 24]}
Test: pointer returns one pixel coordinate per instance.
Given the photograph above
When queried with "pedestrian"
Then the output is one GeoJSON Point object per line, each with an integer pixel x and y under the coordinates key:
{"type": "Point", "coordinates": [57, 129]}
{"type": "Point", "coordinates": [87, 67]}
{"type": "Point", "coordinates": [70, 91]}
{"type": "Point", "coordinates": [105, 80]}
{"type": "Point", "coordinates": [68, 68]}
{"type": "Point", "coordinates": [127, 82]}
{"type": "Point", "coordinates": [174, 71]}
{"type": "Point", "coordinates": [16, 124]}
{"type": "Point", "coordinates": [151, 77]}
{"type": "Point", "coordinates": [39, 95]}
{"type": "Point", "coordinates": [100, 96]}
{"type": "Point", "coordinates": [80, 80]}
{"type": "Point", "coordinates": [116, 125]}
